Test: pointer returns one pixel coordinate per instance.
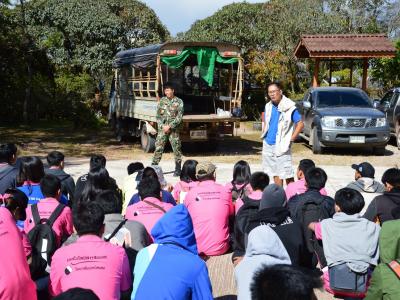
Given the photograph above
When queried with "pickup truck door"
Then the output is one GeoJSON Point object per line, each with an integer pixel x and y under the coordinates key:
{"type": "Point", "coordinates": [395, 108]}
{"type": "Point", "coordinates": [308, 114]}
{"type": "Point", "coordinates": [387, 104]}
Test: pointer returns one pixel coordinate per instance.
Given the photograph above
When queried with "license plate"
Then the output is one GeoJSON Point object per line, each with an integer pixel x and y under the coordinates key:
{"type": "Point", "coordinates": [357, 139]}
{"type": "Point", "coordinates": [198, 134]}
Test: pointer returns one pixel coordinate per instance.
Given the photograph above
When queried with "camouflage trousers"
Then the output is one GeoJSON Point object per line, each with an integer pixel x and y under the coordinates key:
{"type": "Point", "coordinates": [161, 140]}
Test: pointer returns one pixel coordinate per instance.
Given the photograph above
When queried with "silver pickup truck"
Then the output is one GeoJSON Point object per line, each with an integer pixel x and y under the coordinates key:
{"type": "Point", "coordinates": [342, 117]}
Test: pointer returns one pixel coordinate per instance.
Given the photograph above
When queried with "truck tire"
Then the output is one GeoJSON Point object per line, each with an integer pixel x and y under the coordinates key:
{"type": "Point", "coordinates": [316, 145]}
{"type": "Point", "coordinates": [147, 141]}
{"type": "Point", "coordinates": [379, 151]}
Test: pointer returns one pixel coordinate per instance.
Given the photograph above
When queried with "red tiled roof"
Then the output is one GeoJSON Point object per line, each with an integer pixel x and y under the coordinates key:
{"type": "Point", "coordinates": [344, 46]}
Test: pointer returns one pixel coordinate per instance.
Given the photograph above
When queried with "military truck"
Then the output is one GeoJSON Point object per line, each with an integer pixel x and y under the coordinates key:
{"type": "Point", "coordinates": [208, 77]}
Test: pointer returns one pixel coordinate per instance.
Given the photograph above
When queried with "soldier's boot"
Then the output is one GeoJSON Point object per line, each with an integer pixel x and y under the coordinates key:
{"type": "Point", "coordinates": [177, 172]}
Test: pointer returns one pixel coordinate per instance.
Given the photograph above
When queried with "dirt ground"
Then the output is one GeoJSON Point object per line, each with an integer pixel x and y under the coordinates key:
{"type": "Point", "coordinates": [41, 138]}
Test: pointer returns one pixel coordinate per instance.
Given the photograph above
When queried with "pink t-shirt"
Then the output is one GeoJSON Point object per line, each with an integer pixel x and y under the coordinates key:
{"type": "Point", "coordinates": [25, 243]}
{"type": "Point", "coordinates": [15, 279]}
{"type": "Point", "coordinates": [299, 187]}
{"type": "Point", "coordinates": [145, 213]}
{"type": "Point", "coordinates": [63, 226]}
{"type": "Point", "coordinates": [256, 195]}
{"type": "Point", "coordinates": [181, 188]}
{"type": "Point", "coordinates": [91, 263]}
{"type": "Point", "coordinates": [210, 205]}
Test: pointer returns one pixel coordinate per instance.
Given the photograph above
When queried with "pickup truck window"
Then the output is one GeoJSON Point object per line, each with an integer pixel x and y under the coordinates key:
{"type": "Point", "coordinates": [342, 98]}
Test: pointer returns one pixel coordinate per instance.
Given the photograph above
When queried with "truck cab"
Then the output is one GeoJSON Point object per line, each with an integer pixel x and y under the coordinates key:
{"type": "Point", "coordinates": [208, 77]}
{"type": "Point", "coordinates": [390, 105]}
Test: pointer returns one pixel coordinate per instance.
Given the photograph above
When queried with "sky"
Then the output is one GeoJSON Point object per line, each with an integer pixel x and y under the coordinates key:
{"type": "Point", "coordinates": [178, 15]}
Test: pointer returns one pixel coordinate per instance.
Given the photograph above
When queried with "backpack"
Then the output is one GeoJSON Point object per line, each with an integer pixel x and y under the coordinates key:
{"type": "Point", "coordinates": [43, 240]}
{"type": "Point", "coordinates": [239, 192]}
{"type": "Point", "coordinates": [313, 211]}
{"type": "Point", "coordinates": [249, 208]}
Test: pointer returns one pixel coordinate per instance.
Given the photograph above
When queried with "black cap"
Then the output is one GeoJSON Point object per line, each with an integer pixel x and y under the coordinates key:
{"type": "Point", "coordinates": [365, 169]}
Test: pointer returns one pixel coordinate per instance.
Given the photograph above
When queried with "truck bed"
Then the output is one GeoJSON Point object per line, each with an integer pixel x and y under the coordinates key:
{"type": "Point", "coordinates": [208, 118]}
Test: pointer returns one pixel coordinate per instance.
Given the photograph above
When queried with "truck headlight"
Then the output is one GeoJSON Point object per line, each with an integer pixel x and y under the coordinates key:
{"type": "Point", "coordinates": [328, 122]}
{"type": "Point", "coordinates": [380, 122]}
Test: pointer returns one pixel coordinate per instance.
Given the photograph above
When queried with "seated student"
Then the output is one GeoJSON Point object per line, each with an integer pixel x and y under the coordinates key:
{"type": "Point", "coordinates": [187, 180]}
{"type": "Point", "coordinates": [96, 161]}
{"type": "Point", "coordinates": [264, 248]}
{"type": "Point", "coordinates": [77, 294]}
{"type": "Point", "coordinates": [129, 187]}
{"type": "Point", "coordinates": [31, 171]}
{"type": "Point", "coordinates": [16, 282]}
{"type": "Point", "coordinates": [150, 209]}
{"type": "Point", "coordinates": [365, 183]}
{"type": "Point", "coordinates": [284, 282]}
{"type": "Point", "coordinates": [63, 227]}
{"type": "Point", "coordinates": [154, 171]}
{"type": "Point", "coordinates": [380, 209]}
{"type": "Point", "coordinates": [348, 239]}
{"type": "Point", "coordinates": [258, 181]}
{"type": "Point", "coordinates": [16, 202]}
{"type": "Point", "coordinates": [91, 262]}
{"type": "Point", "coordinates": [55, 159]}
{"type": "Point", "coordinates": [299, 187]}
{"type": "Point", "coordinates": [240, 184]}
{"type": "Point", "coordinates": [8, 171]}
{"type": "Point", "coordinates": [210, 206]}
{"type": "Point", "coordinates": [312, 206]}
{"type": "Point", "coordinates": [384, 284]}
{"type": "Point", "coordinates": [173, 261]}
{"type": "Point", "coordinates": [97, 181]}
{"type": "Point", "coordinates": [132, 234]}
{"type": "Point", "coordinates": [273, 212]}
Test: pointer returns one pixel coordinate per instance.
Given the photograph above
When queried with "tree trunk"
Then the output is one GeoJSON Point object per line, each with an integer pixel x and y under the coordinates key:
{"type": "Point", "coordinates": [28, 91]}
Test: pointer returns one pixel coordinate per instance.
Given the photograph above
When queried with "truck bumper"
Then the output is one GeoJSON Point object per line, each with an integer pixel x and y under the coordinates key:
{"type": "Point", "coordinates": [358, 137]}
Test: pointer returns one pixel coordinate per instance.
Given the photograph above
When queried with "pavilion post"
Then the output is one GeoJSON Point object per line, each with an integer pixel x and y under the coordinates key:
{"type": "Point", "coordinates": [365, 74]}
{"type": "Point", "coordinates": [316, 71]}
{"type": "Point", "coordinates": [351, 74]}
{"type": "Point", "coordinates": [330, 72]}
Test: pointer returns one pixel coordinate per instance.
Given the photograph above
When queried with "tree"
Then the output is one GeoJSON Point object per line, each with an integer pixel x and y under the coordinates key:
{"type": "Point", "coordinates": [85, 35]}
{"type": "Point", "coordinates": [242, 24]}
{"type": "Point", "coordinates": [386, 71]}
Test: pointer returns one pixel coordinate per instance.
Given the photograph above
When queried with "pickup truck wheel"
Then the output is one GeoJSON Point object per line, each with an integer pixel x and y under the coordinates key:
{"type": "Point", "coordinates": [147, 141]}
{"type": "Point", "coordinates": [316, 145]}
{"type": "Point", "coordinates": [380, 151]}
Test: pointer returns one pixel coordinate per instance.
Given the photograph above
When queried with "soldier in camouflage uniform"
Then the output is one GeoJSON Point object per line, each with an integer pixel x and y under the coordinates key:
{"type": "Point", "coordinates": [169, 121]}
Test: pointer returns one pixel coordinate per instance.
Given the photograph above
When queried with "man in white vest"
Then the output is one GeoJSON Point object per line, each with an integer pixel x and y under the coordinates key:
{"type": "Point", "coordinates": [282, 124]}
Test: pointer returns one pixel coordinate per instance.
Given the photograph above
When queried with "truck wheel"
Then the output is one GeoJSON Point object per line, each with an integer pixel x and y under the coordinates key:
{"type": "Point", "coordinates": [316, 145]}
{"type": "Point", "coordinates": [380, 151]}
{"type": "Point", "coordinates": [148, 141]}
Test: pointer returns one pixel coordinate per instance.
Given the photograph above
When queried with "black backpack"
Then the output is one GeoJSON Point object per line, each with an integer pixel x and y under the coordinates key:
{"type": "Point", "coordinates": [238, 193]}
{"type": "Point", "coordinates": [313, 211]}
{"type": "Point", "coordinates": [43, 238]}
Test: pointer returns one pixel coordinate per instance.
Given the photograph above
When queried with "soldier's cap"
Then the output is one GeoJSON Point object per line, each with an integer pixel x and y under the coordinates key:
{"type": "Point", "coordinates": [204, 169]}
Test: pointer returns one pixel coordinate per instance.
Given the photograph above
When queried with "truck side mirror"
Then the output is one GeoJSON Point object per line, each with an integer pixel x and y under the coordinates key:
{"type": "Point", "coordinates": [385, 106]}
{"type": "Point", "coordinates": [376, 104]}
{"type": "Point", "coordinates": [306, 104]}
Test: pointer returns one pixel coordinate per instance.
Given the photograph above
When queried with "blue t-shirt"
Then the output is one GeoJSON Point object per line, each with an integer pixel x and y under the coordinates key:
{"type": "Point", "coordinates": [34, 194]}
{"type": "Point", "coordinates": [166, 197]}
{"type": "Point", "coordinates": [270, 138]}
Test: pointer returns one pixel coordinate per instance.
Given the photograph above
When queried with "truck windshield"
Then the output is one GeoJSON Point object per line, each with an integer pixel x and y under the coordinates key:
{"type": "Point", "coordinates": [343, 98]}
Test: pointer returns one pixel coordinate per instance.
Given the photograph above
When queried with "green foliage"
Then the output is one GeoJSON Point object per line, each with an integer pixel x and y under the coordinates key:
{"type": "Point", "coordinates": [386, 71]}
{"type": "Point", "coordinates": [242, 24]}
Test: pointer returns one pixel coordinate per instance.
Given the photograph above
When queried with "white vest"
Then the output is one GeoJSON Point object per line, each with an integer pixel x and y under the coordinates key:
{"type": "Point", "coordinates": [285, 124]}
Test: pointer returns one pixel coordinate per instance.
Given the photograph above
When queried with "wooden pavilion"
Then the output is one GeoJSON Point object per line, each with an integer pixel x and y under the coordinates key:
{"type": "Point", "coordinates": [351, 47]}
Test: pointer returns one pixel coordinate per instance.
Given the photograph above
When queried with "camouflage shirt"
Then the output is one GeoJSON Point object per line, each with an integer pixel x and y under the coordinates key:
{"type": "Point", "coordinates": [169, 112]}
